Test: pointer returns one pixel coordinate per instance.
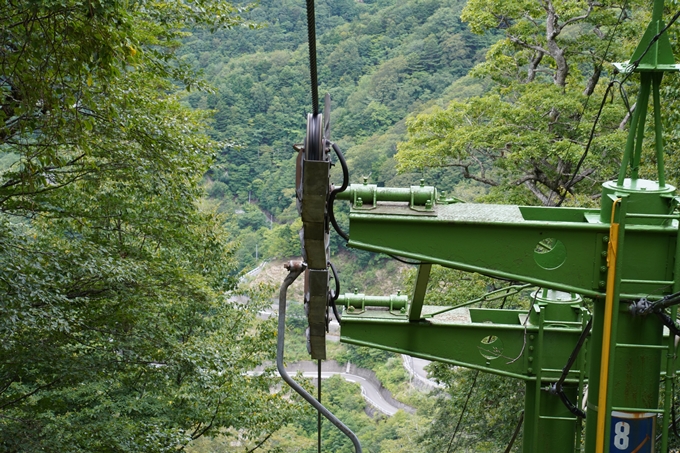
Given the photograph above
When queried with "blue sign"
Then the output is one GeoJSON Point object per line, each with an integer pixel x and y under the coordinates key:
{"type": "Point", "coordinates": [632, 432]}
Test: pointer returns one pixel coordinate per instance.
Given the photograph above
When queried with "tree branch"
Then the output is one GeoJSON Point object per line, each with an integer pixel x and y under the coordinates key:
{"type": "Point", "coordinates": [196, 434]}
{"type": "Point", "coordinates": [537, 192]}
{"type": "Point", "coordinates": [467, 175]}
{"type": "Point", "coordinates": [578, 18]}
{"type": "Point", "coordinates": [526, 45]}
{"type": "Point", "coordinates": [260, 443]}
{"type": "Point", "coordinates": [23, 397]}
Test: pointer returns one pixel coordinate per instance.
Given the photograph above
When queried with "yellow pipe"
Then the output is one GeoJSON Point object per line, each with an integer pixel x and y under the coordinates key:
{"type": "Point", "coordinates": [612, 247]}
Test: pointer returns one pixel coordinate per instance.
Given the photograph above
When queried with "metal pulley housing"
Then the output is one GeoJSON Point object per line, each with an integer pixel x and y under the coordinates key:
{"type": "Point", "coordinates": [312, 193]}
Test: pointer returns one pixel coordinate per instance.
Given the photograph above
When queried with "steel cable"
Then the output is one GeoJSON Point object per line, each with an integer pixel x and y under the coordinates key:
{"type": "Point", "coordinates": [311, 38]}
{"type": "Point", "coordinates": [585, 107]}
{"type": "Point", "coordinates": [462, 412]}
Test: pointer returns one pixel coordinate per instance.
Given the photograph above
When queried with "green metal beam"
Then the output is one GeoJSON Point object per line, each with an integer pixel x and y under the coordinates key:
{"type": "Point", "coordinates": [419, 290]}
{"type": "Point", "coordinates": [496, 341]}
{"type": "Point", "coordinates": [557, 248]}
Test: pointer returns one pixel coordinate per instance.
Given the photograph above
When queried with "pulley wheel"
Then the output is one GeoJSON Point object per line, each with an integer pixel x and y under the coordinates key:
{"type": "Point", "coordinates": [314, 138]}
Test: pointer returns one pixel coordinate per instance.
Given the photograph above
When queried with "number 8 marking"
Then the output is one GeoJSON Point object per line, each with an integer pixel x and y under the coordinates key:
{"type": "Point", "coordinates": [621, 440]}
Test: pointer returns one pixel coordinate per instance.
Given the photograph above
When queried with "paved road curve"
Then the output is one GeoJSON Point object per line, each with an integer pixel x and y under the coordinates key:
{"type": "Point", "coordinates": [368, 390]}
{"type": "Point", "coordinates": [416, 369]}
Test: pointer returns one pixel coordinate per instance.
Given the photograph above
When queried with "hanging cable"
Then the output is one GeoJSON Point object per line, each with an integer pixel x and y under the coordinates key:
{"type": "Point", "coordinates": [462, 412]}
{"type": "Point", "coordinates": [629, 72]}
{"type": "Point", "coordinates": [311, 38]}
{"type": "Point", "coordinates": [643, 307]}
{"type": "Point", "coordinates": [563, 195]}
{"type": "Point", "coordinates": [556, 388]}
{"type": "Point", "coordinates": [667, 301]}
{"type": "Point", "coordinates": [668, 322]}
{"type": "Point", "coordinates": [514, 435]}
{"type": "Point", "coordinates": [590, 140]}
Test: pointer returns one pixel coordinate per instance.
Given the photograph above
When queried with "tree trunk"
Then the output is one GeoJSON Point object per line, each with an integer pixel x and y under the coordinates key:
{"type": "Point", "coordinates": [552, 31]}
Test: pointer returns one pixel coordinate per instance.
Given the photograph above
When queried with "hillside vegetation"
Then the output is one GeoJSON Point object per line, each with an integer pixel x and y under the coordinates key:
{"type": "Point", "coordinates": [527, 111]}
{"type": "Point", "coordinates": [378, 60]}
{"type": "Point", "coordinates": [124, 321]}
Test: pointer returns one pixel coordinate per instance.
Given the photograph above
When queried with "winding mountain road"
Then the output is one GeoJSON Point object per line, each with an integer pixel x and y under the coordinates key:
{"type": "Point", "coordinates": [369, 391]}
{"type": "Point", "coordinates": [416, 369]}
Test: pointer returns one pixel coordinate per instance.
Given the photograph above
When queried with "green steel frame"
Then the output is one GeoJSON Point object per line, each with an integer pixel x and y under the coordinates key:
{"type": "Point", "coordinates": [626, 250]}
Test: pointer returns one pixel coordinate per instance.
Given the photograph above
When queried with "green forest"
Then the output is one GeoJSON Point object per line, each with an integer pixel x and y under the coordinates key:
{"type": "Point", "coordinates": [147, 164]}
{"type": "Point", "coordinates": [378, 61]}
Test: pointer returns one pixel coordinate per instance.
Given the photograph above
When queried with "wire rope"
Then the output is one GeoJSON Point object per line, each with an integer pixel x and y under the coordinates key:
{"type": "Point", "coordinates": [311, 38]}
{"type": "Point", "coordinates": [629, 72]}
{"type": "Point", "coordinates": [462, 412]}
{"type": "Point", "coordinates": [563, 195]}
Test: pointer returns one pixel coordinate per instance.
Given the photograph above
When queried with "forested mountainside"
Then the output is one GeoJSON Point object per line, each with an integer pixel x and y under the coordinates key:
{"type": "Point", "coordinates": [521, 121]}
{"type": "Point", "coordinates": [117, 277]}
{"type": "Point", "coordinates": [123, 326]}
{"type": "Point", "coordinates": [378, 60]}
{"type": "Point", "coordinates": [529, 109]}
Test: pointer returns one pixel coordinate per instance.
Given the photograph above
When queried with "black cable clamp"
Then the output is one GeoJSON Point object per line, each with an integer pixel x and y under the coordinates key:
{"type": "Point", "coordinates": [644, 307]}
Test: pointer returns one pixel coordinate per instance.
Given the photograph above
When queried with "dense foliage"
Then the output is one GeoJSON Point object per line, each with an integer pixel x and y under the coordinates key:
{"type": "Point", "coordinates": [525, 137]}
{"type": "Point", "coordinates": [378, 60]}
{"type": "Point", "coordinates": [118, 333]}
{"type": "Point", "coordinates": [120, 329]}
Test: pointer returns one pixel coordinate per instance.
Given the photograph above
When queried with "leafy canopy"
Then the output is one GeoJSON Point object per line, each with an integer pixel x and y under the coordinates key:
{"type": "Point", "coordinates": [119, 332]}
{"type": "Point", "coordinates": [528, 132]}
